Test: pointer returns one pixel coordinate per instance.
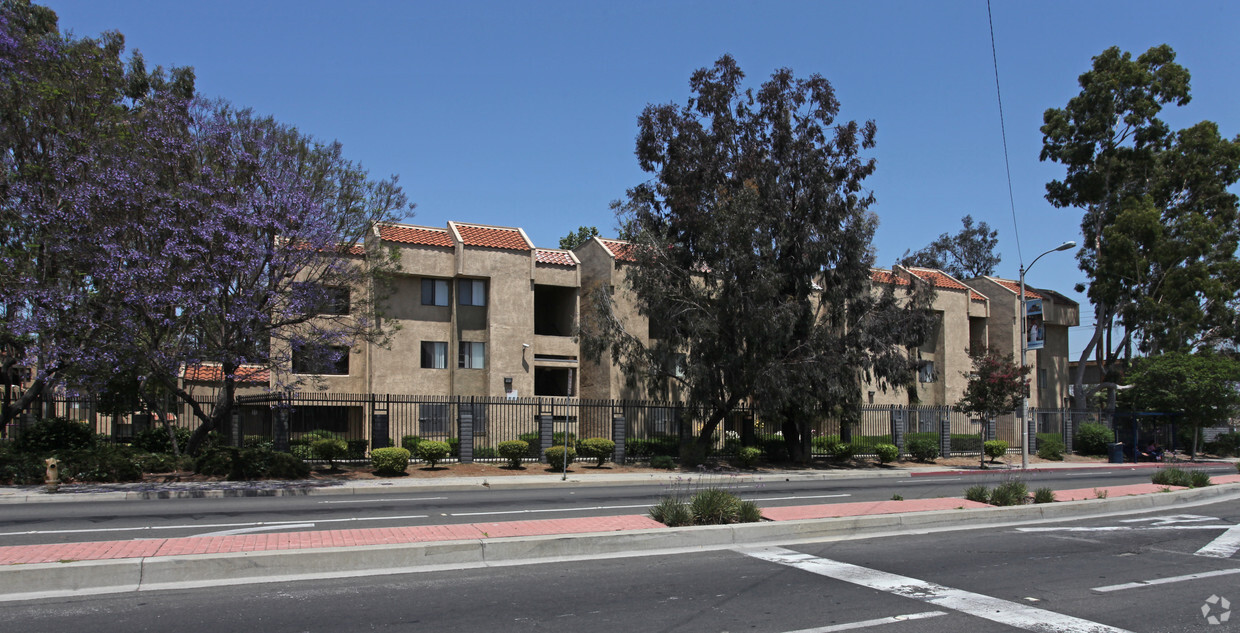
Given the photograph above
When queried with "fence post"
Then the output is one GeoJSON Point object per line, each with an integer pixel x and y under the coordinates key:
{"type": "Point", "coordinates": [378, 426]}
{"type": "Point", "coordinates": [546, 431]}
{"type": "Point", "coordinates": [235, 431]}
{"type": "Point", "coordinates": [618, 431]}
{"type": "Point", "coordinates": [465, 427]}
{"type": "Point", "coordinates": [945, 431]}
{"type": "Point", "coordinates": [1069, 421]}
{"type": "Point", "coordinates": [899, 419]}
{"type": "Point", "coordinates": [1032, 439]}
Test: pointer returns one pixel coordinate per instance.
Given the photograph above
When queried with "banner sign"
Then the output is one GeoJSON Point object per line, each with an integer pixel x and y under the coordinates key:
{"type": "Point", "coordinates": [1035, 331]}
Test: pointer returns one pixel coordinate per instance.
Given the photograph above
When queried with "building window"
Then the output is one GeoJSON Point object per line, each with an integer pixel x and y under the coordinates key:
{"type": "Point", "coordinates": [472, 356]}
{"type": "Point", "coordinates": [926, 372]}
{"type": "Point", "coordinates": [1042, 378]}
{"type": "Point", "coordinates": [335, 301]}
{"type": "Point", "coordinates": [325, 361]}
{"type": "Point", "coordinates": [434, 355]}
{"type": "Point", "coordinates": [434, 292]}
{"type": "Point", "coordinates": [319, 299]}
{"type": "Point", "coordinates": [472, 292]}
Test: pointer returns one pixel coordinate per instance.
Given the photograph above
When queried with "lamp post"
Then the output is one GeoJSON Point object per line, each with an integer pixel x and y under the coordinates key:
{"type": "Point", "coordinates": [1024, 347]}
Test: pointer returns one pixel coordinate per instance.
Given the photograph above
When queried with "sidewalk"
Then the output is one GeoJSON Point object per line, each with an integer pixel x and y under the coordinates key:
{"type": "Point", "coordinates": [32, 571]}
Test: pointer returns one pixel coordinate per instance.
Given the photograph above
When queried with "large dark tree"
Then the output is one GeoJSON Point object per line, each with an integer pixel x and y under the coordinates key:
{"type": "Point", "coordinates": [967, 254]}
{"type": "Point", "coordinates": [1159, 222]}
{"type": "Point", "coordinates": [1201, 388]}
{"type": "Point", "coordinates": [753, 256]}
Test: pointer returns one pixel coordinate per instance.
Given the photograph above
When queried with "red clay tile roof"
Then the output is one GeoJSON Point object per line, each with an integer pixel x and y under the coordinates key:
{"type": "Point", "coordinates": [881, 276]}
{"type": "Point", "coordinates": [492, 237]}
{"type": "Point", "coordinates": [619, 249]}
{"type": "Point", "coordinates": [559, 258]}
{"type": "Point", "coordinates": [977, 296]}
{"type": "Point", "coordinates": [211, 372]}
{"type": "Point", "coordinates": [938, 278]}
{"type": "Point", "coordinates": [421, 235]}
{"type": "Point", "coordinates": [1014, 286]}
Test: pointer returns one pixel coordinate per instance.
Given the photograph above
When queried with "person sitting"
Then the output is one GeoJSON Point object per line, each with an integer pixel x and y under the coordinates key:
{"type": "Point", "coordinates": [1155, 451]}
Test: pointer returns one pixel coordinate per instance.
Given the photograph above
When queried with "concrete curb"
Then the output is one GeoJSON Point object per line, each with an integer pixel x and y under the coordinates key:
{"type": "Point", "coordinates": [28, 582]}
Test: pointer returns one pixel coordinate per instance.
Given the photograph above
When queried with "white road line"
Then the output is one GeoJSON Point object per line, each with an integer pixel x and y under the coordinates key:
{"type": "Point", "coordinates": [801, 497]}
{"type": "Point", "coordinates": [1225, 546]}
{"type": "Point", "coordinates": [1005, 612]}
{"type": "Point", "coordinates": [267, 528]}
{"type": "Point", "coordinates": [1124, 528]}
{"type": "Point", "coordinates": [921, 479]}
{"type": "Point", "coordinates": [377, 500]}
{"type": "Point", "coordinates": [479, 514]}
{"type": "Point", "coordinates": [868, 623]}
{"type": "Point", "coordinates": [198, 526]}
{"type": "Point", "coordinates": [1166, 581]}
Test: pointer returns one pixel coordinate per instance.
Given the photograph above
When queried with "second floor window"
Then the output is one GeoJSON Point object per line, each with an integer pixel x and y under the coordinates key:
{"type": "Point", "coordinates": [324, 361]}
{"type": "Point", "coordinates": [472, 356]}
{"type": "Point", "coordinates": [434, 292]}
{"type": "Point", "coordinates": [434, 355]}
{"type": "Point", "coordinates": [472, 292]}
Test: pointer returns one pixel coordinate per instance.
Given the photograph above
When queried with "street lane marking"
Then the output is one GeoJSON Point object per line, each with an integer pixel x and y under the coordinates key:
{"type": "Point", "coordinates": [868, 623]}
{"type": "Point", "coordinates": [1005, 612]}
{"type": "Point", "coordinates": [199, 526]}
{"type": "Point", "coordinates": [480, 514]}
{"type": "Point", "coordinates": [265, 528]}
{"type": "Point", "coordinates": [1123, 528]}
{"type": "Point", "coordinates": [1175, 518]}
{"type": "Point", "coordinates": [378, 500]}
{"type": "Point", "coordinates": [1225, 546]}
{"type": "Point", "coordinates": [1166, 581]}
{"type": "Point", "coordinates": [800, 497]}
{"type": "Point", "coordinates": [909, 481]}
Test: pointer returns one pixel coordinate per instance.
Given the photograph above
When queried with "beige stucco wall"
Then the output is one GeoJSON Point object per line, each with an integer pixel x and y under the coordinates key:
{"type": "Point", "coordinates": [599, 273]}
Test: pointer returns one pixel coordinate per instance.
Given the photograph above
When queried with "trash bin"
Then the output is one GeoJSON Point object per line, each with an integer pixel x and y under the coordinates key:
{"type": "Point", "coordinates": [1116, 452]}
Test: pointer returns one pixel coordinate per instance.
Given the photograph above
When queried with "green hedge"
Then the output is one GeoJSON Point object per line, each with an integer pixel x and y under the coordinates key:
{"type": "Point", "coordinates": [389, 462]}
{"type": "Point", "coordinates": [599, 449]}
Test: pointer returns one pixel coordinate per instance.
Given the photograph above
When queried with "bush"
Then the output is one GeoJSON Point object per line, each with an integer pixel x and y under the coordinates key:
{"type": "Point", "coordinates": [886, 452]}
{"type": "Point", "coordinates": [714, 506]}
{"type": "Point", "coordinates": [1044, 495]}
{"type": "Point", "coordinates": [977, 493]}
{"type": "Point", "coordinates": [663, 461]}
{"type": "Point", "coordinates": [250, 463]}
{"type": "Point", "coordinates": [923, 450]}
{"type": "Point", "coordinates": [748, 512]}
{"type": "Point", "coordinates": [671, 512]}
{"type": "Point", "coordinates": [1092, 438]}
{"type": "Point", "coordinates": [513, 451]}
{"type": "Point", "coordinates": [286, 466]}
{"type": "Point", "coordinates": [433, 452]}
{"type": "Point", "coordinates": [320, 434]}
{"type": "Point", "coordinates": [1225, 445]}
{"type": "Point", "coordinates": [410, 443]}
{"type": "Point", "coordinates": [596, 448]}
{"type": "Point", "coordinates": [648, 448]}
{"type": "Point", "coordinates": [454, 446]}
{"type": "Point", "coordinates": [484, 452]}
{"type": "Point", "coordinates": [214, 462]}
{"type": "Point", "coordinates": [100, 464]}
{"type": "Point", "coordinates": [329, 450]}
{"type": "Point", "coordinates": [164, 462]}
{"type": "Point", "coordinates": [156, 440]}
{"type": "Point", "coordinates": [995, 449]}
{"type": "Point", "coordinates": [54, 434]}
{"type": "Point", "coordinates": [1051, 448]}
{"type": "Point", "coordinates": [1009, 493]}
{"type": "Point", "coordinates": [962, 443]}
{"type": "Point", "coordinates": [356, 449]}
{"type": "Point", "coordinates": [534, 443]}
{"type": "Point", "coordinates": [842, 452]}
{"type": "Point", "coordinates": [774, 447]}
{"type": "Point", "coordinates": [747, 456]}
{"type": "Point", "coordinates": [21, 469]}
{"type": "Point", "coordinates": [558, 458]}
{"type": "Point", "coordinates": [389, 462]}
{"type": "Point", "coordinates": [1176, 477]}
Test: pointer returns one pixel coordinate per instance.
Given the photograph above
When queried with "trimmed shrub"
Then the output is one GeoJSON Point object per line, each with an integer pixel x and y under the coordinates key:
{"type": "Point", "coordinates": [356, 449]}
{"type": "Point", "coordinates": [156, 440]}
{"type": "Point", "coordinates": [533, 442]}
{"type": "Point", "coordinates": [886, 452]}
{"type": "Point", "coordinates": [214, 462]}
{"type": "Point", "coordinates": [432, 452]}
{"type": "Point", "coordinates": [1092, 438]}
{"type": "Point", "coordinates": [54, 434]}
{"type": "Point", "coordinates": [558, 458]}
{"type": "Point", "coordinates": [1044, 495]}
{"type": "Point", "coordinates": [286, 466]}
{"type": "Point", "coordinates": [671, 512]}
{"type": "Point", "coordinates": [1009, 493]}
{"type": "Point", "coordinates": [663, 461]}
{"type": "Point", "coordinates": [597, 448]}
{"type": "Point", "coordinates": [21, 469]}
{"type": "Point", "coordinates": [995, 449]}
{"type": "Point", "coordinates": [99, 464]}
{"type": "Point", "coordinates": [513, 451]}
{"type": "Point", "coordinates": [389, 462]}
{"type": "Point", "coordinates": [977, 493]}
{"type": "Point", "coordinates": [1051, 448]}
{"type": "Point", "coordinates": [329, 450]}
{"type": "Point", "coordinates": [842, 452]}
{"type": "Point", "coordinates": [747, 456]}
{"type": "Point", "coordinates": [923, 450]}
{"type": "Point", "coordinates": [648, 448]}
{"type": "Point", "coordinates": [410, 443]}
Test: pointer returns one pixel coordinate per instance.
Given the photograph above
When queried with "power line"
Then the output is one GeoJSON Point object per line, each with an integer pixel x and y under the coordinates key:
{"type": "Point", "coordinates": [1003, 131]}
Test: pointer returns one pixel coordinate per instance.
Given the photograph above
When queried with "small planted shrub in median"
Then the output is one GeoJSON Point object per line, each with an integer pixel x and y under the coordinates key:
{"type": "Point", "coordinates": [923, 450]}
{"type": "Point", "coordinates": [389, 462]}
{"type": "Point", "coordinates": [433, 452]}
{"type": "Point", "coordinates": [886, 452]}
{"type": "Point", "coordinates": [558, 458]}
{"type": "Point", "coordinates": [671, 512]}
{"type": "Point", "coordinates": [1044, 495]}
{"type": "Point", "coordinates": [977, 493]}
{"type": "Point", "coordinates": [597, 448]}
{"type": "Point", "coordinates": [1009, 493]}
{"type": "Point", "coordinates": [513, 451]}
{"type": "Point", "coordinates": [995, 449]}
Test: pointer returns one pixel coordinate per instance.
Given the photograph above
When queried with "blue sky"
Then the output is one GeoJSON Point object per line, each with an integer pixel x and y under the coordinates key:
{"type": "Point", "coordinates": [524, 113]}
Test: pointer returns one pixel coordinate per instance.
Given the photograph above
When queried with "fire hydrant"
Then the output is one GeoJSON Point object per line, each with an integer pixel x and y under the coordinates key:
{"type": "Point", "coordinates": [53, 474]}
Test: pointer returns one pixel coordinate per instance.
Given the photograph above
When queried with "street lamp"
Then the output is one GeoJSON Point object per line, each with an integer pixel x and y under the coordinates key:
{"type": "Point", "coordinates": [1024, 347]}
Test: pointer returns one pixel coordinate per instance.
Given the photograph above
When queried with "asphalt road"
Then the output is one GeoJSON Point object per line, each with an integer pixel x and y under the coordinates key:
{"type": "Point", "coordinates": [1140, 572]}
{"type": "Point", "coordinates": [24, 524]}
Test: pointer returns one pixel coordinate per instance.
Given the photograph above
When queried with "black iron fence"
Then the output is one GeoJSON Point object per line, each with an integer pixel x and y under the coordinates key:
{"type": "Point", "coordinates": [474, 426]}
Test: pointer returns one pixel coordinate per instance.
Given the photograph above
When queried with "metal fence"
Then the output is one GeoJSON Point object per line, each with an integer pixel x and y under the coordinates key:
{"type": "Point", "coordinates": [474, 426]}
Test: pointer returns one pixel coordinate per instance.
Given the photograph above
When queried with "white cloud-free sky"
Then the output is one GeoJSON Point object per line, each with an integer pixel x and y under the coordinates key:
{"type": "Point", "coordinates": [524, 113]}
